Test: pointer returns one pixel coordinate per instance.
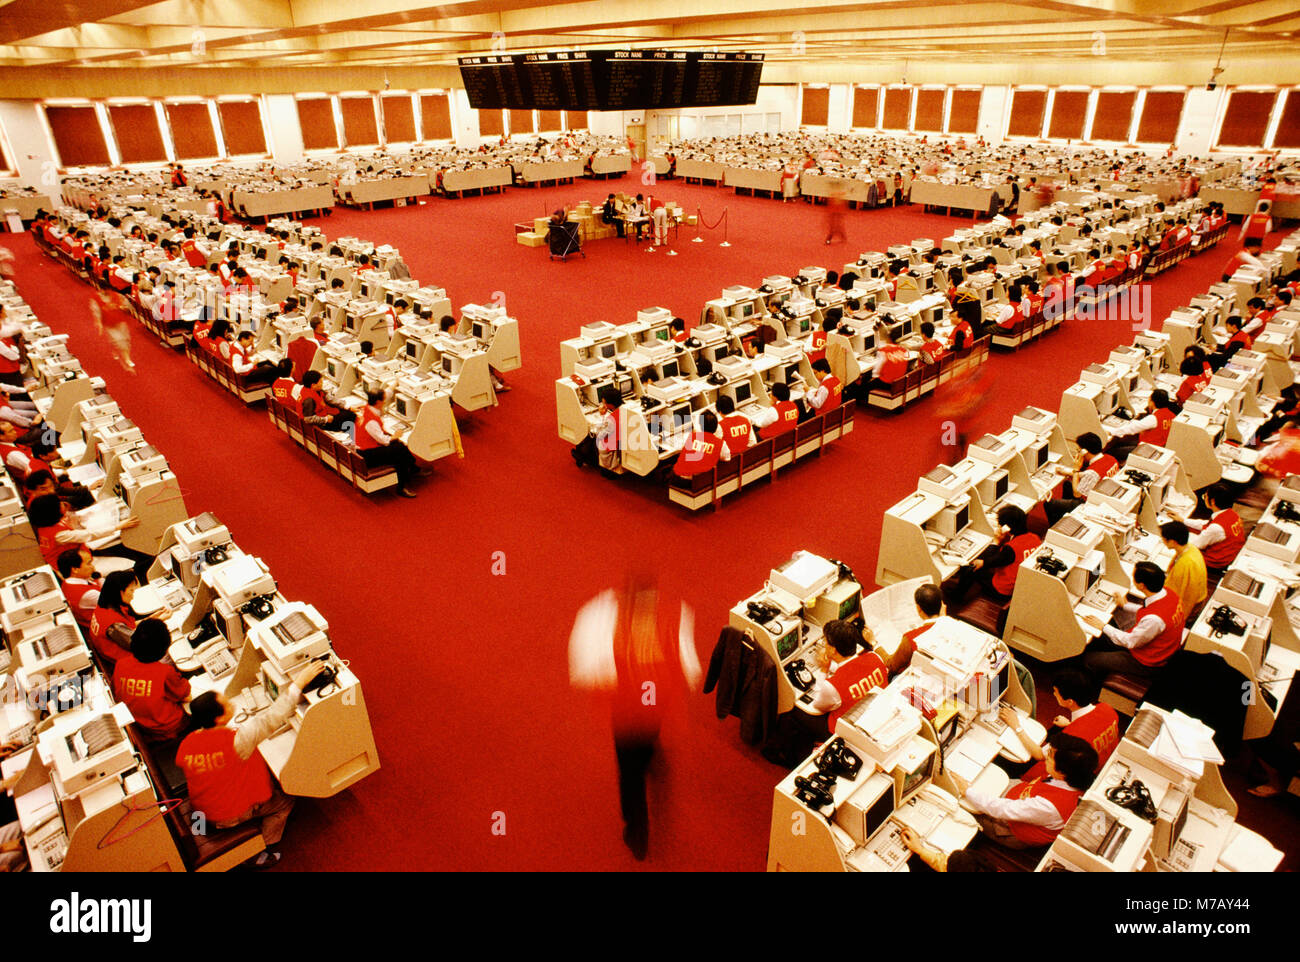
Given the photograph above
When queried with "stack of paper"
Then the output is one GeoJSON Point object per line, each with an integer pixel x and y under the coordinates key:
{"type": "Point", "coordinates": [1186, 743]}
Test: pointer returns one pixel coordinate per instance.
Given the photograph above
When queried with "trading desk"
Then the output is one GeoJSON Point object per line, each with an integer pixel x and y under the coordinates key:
{"type": "Point", "coordinates": [534, 172]}
{"type": "Point", "coordinates": [700, 169]}
{"type": "Point", "coordinates": [291, 200]}
{"type": "Point", "coordinates": [749, 178]}
{"type": "Point", "coordinates": [812, 184]}
{"type": "Point", "coordinates": [480, 178]}
{"type": "Point", "coordinates": [609, 166]}
{"type": "Point", "coordinates": [969, 197]}
{"type": "Point", "coordinates": [384, 188]}
{"type": "Point", "coordinates": [26, 204]}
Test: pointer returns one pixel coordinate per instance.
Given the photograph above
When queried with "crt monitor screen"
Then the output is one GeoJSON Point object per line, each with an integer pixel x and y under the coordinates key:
{"type": "Point", "coordinates": [400, 403]}
{"type": "Point", "coordinates": [679, 416]}
{"type": "Point", "coordinates": [412, 348]}
{"type": "Point", "coordinates": [849, 606]}
{"type": "Point", "coordinates": [720, 352]}
{"type": "Point", "coordinates": [746, 309]}
{"type": "Point", "coordinates": [805, 324]}
{"type": "Point", "coordinates": [743, 393]}
{"type": "Point", "coordinates": [670, 369]}
{"type": "Point", "coordinates": [662, 334]}
{"type": "Point", "coordinates": [625, 387]}
{"type": "Point", "coordinates": [446, 363]}
{"type": "Point", "coordinates": [607, 350]}
{"type": "Point", "coordinates": [479, 330]}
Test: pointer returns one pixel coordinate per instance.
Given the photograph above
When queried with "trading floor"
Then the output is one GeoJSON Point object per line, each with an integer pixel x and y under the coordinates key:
{"type": "Point", "coordinates": [456, 608]}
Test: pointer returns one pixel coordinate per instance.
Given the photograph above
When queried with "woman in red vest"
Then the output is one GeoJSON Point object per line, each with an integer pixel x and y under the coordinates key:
{"type": "Point", "coordinates": [58, 529]}
{"type": "Point", "coordinates": [229, 782]}
{"type": "Point", "coordinates": [377, 446]}
{"type": "Point", "coordinates": [1032, 811]}
{"type": "Point", "coordinates": [1155, 637]}
{"type": "Point", "coordinates": [997, 566]}
{"type": "Point", "coordinates": [1089, 719]}
{"type": "Point", "coordinates": [850, 674]}
{"type": "Point", "coordinates": [153, 689]}
{"type": "Point", "coordinates": [113, 619]}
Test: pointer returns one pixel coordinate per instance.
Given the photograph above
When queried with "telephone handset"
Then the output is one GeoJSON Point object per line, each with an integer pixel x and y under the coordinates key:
{"type": "Point", "coordinates": [1225, 621]}
{"type": "Point", "coordinates": [941, 797]}
{"type": "Point", "coordinates": [799, 674]}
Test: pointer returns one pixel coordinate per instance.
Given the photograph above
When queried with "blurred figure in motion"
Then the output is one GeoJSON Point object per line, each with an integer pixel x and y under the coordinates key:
{"type": "Point", "coordinates": [835, 204]}
{"type": "Point", "coordinates": [636, 648]}
{"type": "Point", "coordinates": [959, 403]}
{"type": "Point", "coordinates": [112, 314]}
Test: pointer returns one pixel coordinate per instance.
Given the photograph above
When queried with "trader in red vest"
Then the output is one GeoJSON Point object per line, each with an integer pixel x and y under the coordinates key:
{"type": "Point", "coordinates": [1155, 637]}
{"type": "Point", "coordinates": [1091, 720]}
{"type": "Point", "coordinates": [929, 605]}
{"type": "Point", "coordinates": [153, 689]}
{"type": "Point", "coordinates": [229, 782]}
{"type": "Point", "coordinates": [1259, 224]}
{"type": "Point", "coordinates": [1033, 810]}
{"type": "Point", "coordinates": [735, 429]}
{"type": "Point", "coordinates": [1221, 537]}
{"type": "Point", "coordinates": [1152, 428]}
{"type": "Point", "coordinates": [826, 396]}
{"type": "Point", "coordinates": [850, 674]}
{"type": "Point", "coordinates": [1195, 377]}
{"type": "Point", "coordinates": [785, 413]}
{"type": "Point", "coordinates": [997, 566]}
{"type": "Point", "coordinates": [81, 586]}
{"type": "Point", "coordinates": [702, 450]}
{"type": "Point", "coordinates": [1090, 466]}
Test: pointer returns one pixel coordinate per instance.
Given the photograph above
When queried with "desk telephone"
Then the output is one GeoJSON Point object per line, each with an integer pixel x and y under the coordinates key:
{"type": "Point", "coordinates": [800, 675]}
{"type": "Point", "coordinates": [1225, 621]}
{"type": "Point", "coordinates": [263, 606]}
{"type": "Point", "coordinates": [1286, 511]}
{"type": "Point", "coordinates": [815, 790]}
{"type": "Point", "coordinates": [927, 809]}
{"type": "Point", "coordinates": [1051, 564]}
{"type": "Point", "coordinates": [839, 760]}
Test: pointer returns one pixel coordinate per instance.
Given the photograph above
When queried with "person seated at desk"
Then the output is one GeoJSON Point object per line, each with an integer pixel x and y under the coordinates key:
{"type": "Point", "coordinates": [1089, 719]}
{"type": "Point", "coordinates": [735, 429]}
{"type": "Point", "coordinates": [80, 583]}
{"type": "Point", "coordinates": [890, 363]}
{"type": "Point", "coordinates": [261, 372]}
{"type": "Point", "coordinates": [1033, 810]}
{"type": "Point", "coordinates": [56, 531]}
{"type": "Point", "coordinates": [152, 688]}
{"type": "Point", "coordinates": [321, 409]}
{"type": "Point", "coordinates": [1155, 637]}
{"type": "Point", "coordinates": [1221, 537]}
{"type": "Point", "coordinates": [826, 396]}
{"type": "Point", "coordinates": [1152, 428]}
{"type": "Point", "coordinates": [1195, 376]}
{"type": "Point", "coordinates": [318, 331]}
{"type": "Point", "coordinates": [702, 450]}
{"type": "Point", "coordinates": [848, 675]}
{"type": "Point", "coordinates": [228, 780]}
{"type": "Point", "coordinates": [113, 620]}
{"type": "Point", "coordinates": [609, 214]}
{"type": "Point", "coordinates": [1090, 466]}
{"type": "Point", "coordinates": [1238, 340]}
{"type": "Point", "coordinates": [1187, 575]}
{"type": "Point", "coordinates": [997, 566]}
{"type": "Point", "coordinates": [968, 310]}
{"type": "Point", "coordinates": [377, 447]}
{"type": "Point", "coordinates": [780, 417]}
{"type": "Point", "coordinates": [677, 330]}
{"type": "Point", "coordinates": [1015, 310]}
{"type": "Point", "coordinates": [283, 387]}
{"type": "Point", "coordinates": [218, 339]}
{"type": "Point", "coordinates": [932, 349]}
{"type": "Point", "coordinates": [929, 605]}
{"type": "Point", "coordinates": [816, 350]}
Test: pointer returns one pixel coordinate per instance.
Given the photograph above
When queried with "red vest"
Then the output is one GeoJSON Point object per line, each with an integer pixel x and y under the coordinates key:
{"type": "Point", "coordinates": [1191, 384]}
{"type": "Point", "coordinates": [51, 549]}
{"type": "Point", "coordinates": [854, 678]}
{"type": "Point", "coordinates": [1034, 784]}
{"type": "Point", "coordinates": [1242, 338]}
{"type": "Point", "coordinates": [368, 415]}
{"type": "Point", "coordinates": [699, 454]}
{"type": "Point", "coordinates": [1099, 728]}
{"type": "Point", "coordinates": [1103, 465]}
{"type": "Point", "coordinates": [1159, 435]}
{"type": "Point", "coordinates": [817, 347]}
{"type": "Point", "coordinates": [193, 255]}
{"type": "Point", "coordinates": [74, 594]}
{"type": "Point", "coordinates": [1257, 226]}
{"type": "Point", "coordinates": [833, 391]}
{"type": "Point", "coordinates": [282, 388]}
{"type": "Point", "coordinates": [1169, 609]}
{"type": "Point", "coordinates": [8, 366]}
{"type": "Point", "coordinates": [1004, 579]}
{"type": "Point", "coordinates": [1223, 553]}
{"type": "Point", "coordinates": [787, 416]}
{"type": "Point", "coordinates": [895, 365]}
{"type": "Point", "coordinates": [144, 688]}
{"type": "Point", "coordinates": [222, 785]}
{"type": "Point", "coordinates": [100, 622]}
{"type": "Point", "coordinates": [964, 329]}
{"type": "Point", "coordinates": [735, 430]}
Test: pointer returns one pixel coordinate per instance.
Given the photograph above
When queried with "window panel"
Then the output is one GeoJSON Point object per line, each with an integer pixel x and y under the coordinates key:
{"type": "Point", "coordinates": [399, 119]}
{"type": "Point", "coordinates": [1114, 115]}
{"type": "Point", "coordinates": [316, 117]}
{"type": "Point", "coordinates": [964, 112]}
{"type": "Point", "coordinates": [359, 127]}
{"type": "Point", "coordinates": [435, 114]}
{"type": "Point", "coordinates": [1246, 120]}
{"type": "Point", "coordinates": [898, 108]}
{"type": "Point", "coordinates": [1027, 108]}
{"type": "Point", "coordinates": [816, 106]}
{"type": "Point", "coordinates": [78, 136]}
{"type": "Point", "coordinates": [1161, 113]}
{"type": "Point", "coordinates": [241, 127]}
{"type": "Point", "coordinates": [866, 102]}
{"type": "Point", "coordinates": [192, 134]}
{"type": "Point", "coordinates": [929, 109]}
{"type": "Point", "coordinates": [136, 128]}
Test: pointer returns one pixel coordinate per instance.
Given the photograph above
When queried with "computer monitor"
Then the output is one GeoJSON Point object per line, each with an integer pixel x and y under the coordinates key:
{"type": "Point", "coordinates": [479, 330]}
{"type": "Point", "coordinates": [720, 352]}
{"type": "Point", "coordinates": [850, 606]}
{"type": "Point", "coordinates": [787, 645]}
{"type": "Point", "coordinates": [625, 386]}
{"type": "Point", "coordinates": [669, 369]}
{"type": "Point", "coordinates": [662, 334]}
{"type": "Point", "coordinates": [1085, 574]}
{"type": "Point", "coordinates": [953, 519]}
{"type": "Point", "coordinates": [412, 349]}
{"type": "Point", "coordinates": [332, 369]}
{"type": "Point", "coordinates": [743, 392]}
{"type": "Point", "coordinates": [607, 350]}
{"type": "Point", "coordinates": [1037, 455]}
{"type": "Point", "coordinates": [400, 405]}
{"type": "Point", "coordinates": [745, 309]}
{"type": "Point", "coordinates": [446, 364]}
{"type": "Point", "coordinates": [679, 416]}
{"type": "Point", "coordinates": [791, 373]}
{"type": "Point", "coordinates": [805, 325]}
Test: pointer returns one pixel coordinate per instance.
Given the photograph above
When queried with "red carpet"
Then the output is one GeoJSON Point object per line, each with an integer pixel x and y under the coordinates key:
{"type": "Point", "coordinates": [465, 672]}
